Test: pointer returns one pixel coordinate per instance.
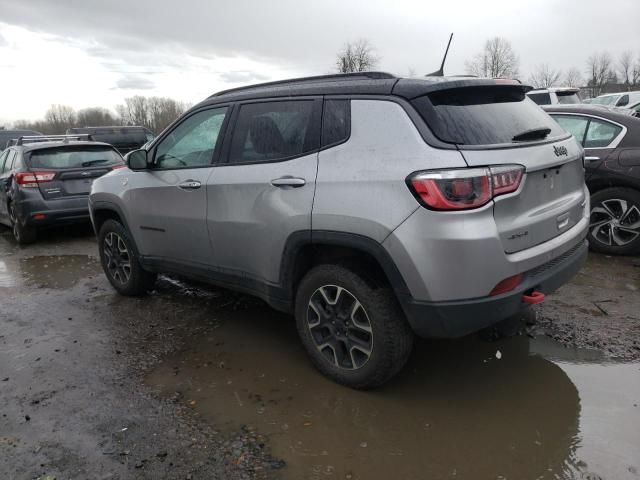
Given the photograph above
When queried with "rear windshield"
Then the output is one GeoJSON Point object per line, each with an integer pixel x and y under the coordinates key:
{"type": "Point", "coordinates": [484, 115]}
{"type": "Point", "coordinates": [74, 157]}
{"type": "Point", "coordinates": [568, 97]}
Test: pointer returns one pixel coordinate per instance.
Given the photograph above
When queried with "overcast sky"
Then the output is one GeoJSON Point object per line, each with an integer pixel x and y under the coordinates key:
{"type": "Point", "coordinates": [97, 52]}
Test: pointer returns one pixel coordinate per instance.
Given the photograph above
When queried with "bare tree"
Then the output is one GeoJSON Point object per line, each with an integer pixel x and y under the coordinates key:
{"type": "Point", "coordinates": [573, 78]}
{"type": "Point", "coordinates": [357, 57]}
{"type": "Point", "coordinates": [59, 118]}
{"type": "Point", "coordinates": [544, 76]}
{"type": "Point", "coordinates": [626, 65]}
{"type": "Point", "coordinates": [497, 59]}
{"type": "Point", "coordinates": [635, 73]}
{"type": "Point", "coordinates": [598, 70]}
{"type": "Point", "coordinates": [95, 117]}
{"type": "Point", "coordinates": [155, 113]}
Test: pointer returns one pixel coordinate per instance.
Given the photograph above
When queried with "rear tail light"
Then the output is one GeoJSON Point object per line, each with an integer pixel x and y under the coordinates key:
{"type": "Point", "coordinates": [463, 189]}
{"type": "Point", "coordinates": [120, 165]}
{"type": "Point", "coordinates": [32, 179]}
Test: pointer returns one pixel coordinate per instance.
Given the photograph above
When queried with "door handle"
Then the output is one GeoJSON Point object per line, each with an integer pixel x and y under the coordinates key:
{"type": "Point", "coordinates": [288, 181]}
{"type": "Point", "coordinates": [190, 185]}
{"type": "Point", "coordinates": [591, 159]}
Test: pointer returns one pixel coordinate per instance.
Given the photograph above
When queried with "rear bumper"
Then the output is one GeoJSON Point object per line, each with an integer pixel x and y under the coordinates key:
{"type": "Point", "coordinates": [56, 212]}
{"type": "Point", "coordinates": [458, 318]}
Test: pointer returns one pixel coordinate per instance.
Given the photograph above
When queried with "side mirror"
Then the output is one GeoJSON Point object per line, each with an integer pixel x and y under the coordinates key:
{"type": "Point", "coordinates": [137, 160]}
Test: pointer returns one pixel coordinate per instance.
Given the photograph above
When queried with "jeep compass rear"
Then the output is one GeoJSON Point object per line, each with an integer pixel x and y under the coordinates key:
{"type": "Point", "coordinates": [371, 207]}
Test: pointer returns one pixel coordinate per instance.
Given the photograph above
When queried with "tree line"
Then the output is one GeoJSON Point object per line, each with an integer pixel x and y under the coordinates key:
{"type": "Point", "coordinates": [498, 59]}
{"type": "Point", "coordinates": [154, 113]}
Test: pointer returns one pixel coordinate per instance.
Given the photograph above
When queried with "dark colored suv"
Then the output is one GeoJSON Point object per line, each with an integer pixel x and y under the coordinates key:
{"type": "Point", "coordinates": [125, 139]}
{"type": "Point", "coordinates": [45, 181]}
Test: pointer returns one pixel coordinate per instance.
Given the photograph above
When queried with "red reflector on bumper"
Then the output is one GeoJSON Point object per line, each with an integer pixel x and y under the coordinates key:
{"type": "Point", "coordinates": [506, 285]}
{"type": "Point", "coordinates": [38, 216]}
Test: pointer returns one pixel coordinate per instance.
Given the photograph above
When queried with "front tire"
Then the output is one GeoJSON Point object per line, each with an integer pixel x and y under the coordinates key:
{"type": "Point", "coordinates": [355, 334]}
{"type": "Point", "coordinates": [120, 262]}
{"type": "Point", "coordinates": [23, 234]}
{"type": "Point", "coordinates": [614, 225]}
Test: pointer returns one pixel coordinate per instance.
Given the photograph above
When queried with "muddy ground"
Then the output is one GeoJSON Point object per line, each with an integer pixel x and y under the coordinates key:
{"type": "Point", "coordinates": [195, 382]}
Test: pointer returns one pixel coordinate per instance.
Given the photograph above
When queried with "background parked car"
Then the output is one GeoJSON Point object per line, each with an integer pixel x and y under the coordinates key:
{"type": "Point", "coordinates": [125, 139]}
{"type": "Point", "coordinates": [554, 96]}
{"type": "Point", "coordinates": [45, 181]}
{"type": "Point", "coordinates": [611, 141]}
{"type": "Point", "coordinates": [622, 99]}
{"type": "Point", "coordinates": [7, 135]}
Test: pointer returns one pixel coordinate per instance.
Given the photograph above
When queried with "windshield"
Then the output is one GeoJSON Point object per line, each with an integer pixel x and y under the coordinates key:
{"type": "Point", "coordinates": [485, 115]}
{"type": "Point", "coordinates": [608, 100]}
{"type": "Point", "coordinates": [567, 98]}
{"type": "Point", "coordinates": [74, 157]}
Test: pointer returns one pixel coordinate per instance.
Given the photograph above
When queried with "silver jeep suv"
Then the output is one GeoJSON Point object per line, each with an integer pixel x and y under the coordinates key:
{"type": "Point", "coordinates": [371, 207]}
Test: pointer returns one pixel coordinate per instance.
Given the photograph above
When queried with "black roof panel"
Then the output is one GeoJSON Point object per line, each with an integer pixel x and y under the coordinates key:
{"type": "Point", "coordinates": [367, 83]}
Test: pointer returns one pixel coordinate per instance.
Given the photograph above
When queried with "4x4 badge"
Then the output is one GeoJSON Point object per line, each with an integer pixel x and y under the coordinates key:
{"type": "Point", "coordinates": [560, 151]}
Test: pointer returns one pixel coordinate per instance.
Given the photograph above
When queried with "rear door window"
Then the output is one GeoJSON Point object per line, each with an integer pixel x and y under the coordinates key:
{"type": "Point", "coordinates": [273, 131]}
{"type": "Point", "coordinates": [77, 157]}
{"type": "Point", "coordinates": [601, 134]}
{"type": "Point", "coordinates": [576, 126]}
{"type": "Point", "coordinates": [485, 115]}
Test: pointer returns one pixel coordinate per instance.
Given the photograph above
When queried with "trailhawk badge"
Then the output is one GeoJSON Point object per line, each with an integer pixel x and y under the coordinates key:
{"type": "Point", "coordinates": [560, 151]}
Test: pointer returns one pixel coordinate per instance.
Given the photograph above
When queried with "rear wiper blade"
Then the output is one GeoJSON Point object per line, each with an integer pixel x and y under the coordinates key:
{"type": "Point", "coordinates": [93, 162]}
{"type": "Point", "coordinates": [532, 134]}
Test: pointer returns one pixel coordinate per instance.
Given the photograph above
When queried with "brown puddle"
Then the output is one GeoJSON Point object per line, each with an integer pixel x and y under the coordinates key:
{"type": "Point", "coordinates": [456, 412]}
{"type": "Point", "coordinates": [55, 271]}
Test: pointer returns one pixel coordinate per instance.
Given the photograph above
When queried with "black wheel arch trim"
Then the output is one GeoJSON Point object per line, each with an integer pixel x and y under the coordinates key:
{"type": "Point", "coordinates": [303, 238]}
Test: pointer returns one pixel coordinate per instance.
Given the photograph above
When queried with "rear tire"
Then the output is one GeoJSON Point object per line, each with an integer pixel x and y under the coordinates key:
{"type": "Point", "coordinates": [23, 234]}
{"type": "Point", "coordinates": [355, 334]}
{"type": "Point", "coordinates": [614, 213]}
{"type": "Point", "coordinates": [120, 262]}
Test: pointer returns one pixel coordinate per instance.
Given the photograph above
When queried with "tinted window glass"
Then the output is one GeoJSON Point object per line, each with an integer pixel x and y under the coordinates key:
{"type": "Point", "coordinates": [336, 122]}
{"type": "Point", "coordinates": [9, 160]}
{"type": "Point", "coordinates": [273, 131]}
{"type": "Point", "coordinates": [78, 157]}
{"type": "Point", "coordinates": [624, 100]}
{"type": "Point", "coordinates": [192, 142]}
{"type": "Point", "coordinates": [483, 115]}
{"type": "Point", "coordinates": [601, 134]}
{"type": "Point", "coordinates": [541, 98]}
{"type": "Point", "coordinates": [576, 126]}
{"type": "Point", "coordinates": [567, 98]}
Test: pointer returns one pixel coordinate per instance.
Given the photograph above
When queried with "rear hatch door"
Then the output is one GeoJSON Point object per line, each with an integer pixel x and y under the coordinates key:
{"type": "Point", "coordinates": [499, 125]}
{"type": "Point", "coordinates": [69, 171]}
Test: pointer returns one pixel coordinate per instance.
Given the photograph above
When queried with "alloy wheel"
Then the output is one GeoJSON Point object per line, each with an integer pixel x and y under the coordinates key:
{"type": "Point", "coordinates": [340, 327]}
{"type": "Point", "coordinates": [15, 227]}
{"type": "Point", "coordinates": [117, 257]}
{"type": "Point", "coordinates": [615, 222]}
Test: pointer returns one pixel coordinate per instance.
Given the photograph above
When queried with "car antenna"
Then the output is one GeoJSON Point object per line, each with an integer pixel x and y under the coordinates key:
{"type": "Point", "coordinates": [440, 73]}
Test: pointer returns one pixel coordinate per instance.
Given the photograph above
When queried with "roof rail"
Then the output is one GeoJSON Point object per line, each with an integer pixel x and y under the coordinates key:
{"type": "Point", "coordinates": [49, 138]}
{"type": "Point", "coordinates": [318, 78]}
